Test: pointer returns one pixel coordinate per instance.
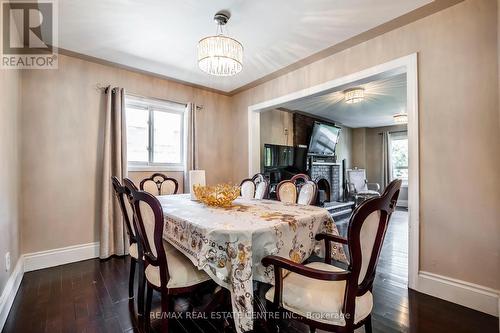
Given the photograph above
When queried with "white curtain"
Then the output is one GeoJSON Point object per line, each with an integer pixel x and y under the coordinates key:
{"type": "Point", "coordinates": [386, 159]}
{"type": "Point", "coordinates": [113, 236]}
{"type": "Point", "coordinates": [191, 150]}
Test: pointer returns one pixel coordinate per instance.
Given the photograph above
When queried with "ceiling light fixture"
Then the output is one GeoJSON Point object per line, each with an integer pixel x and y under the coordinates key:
{"type": "Point", "coordinates": [354, 95]}
{"type": "Point", "coordinates": [220, 55]}
{"type": "Point", "coordinates": [401, 118]}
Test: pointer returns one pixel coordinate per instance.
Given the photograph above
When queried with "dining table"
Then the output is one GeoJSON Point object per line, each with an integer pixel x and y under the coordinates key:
{"type": "Point", "coordinates": [228, 243]}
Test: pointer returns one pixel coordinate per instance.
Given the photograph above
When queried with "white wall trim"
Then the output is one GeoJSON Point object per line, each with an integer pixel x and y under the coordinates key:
{"type": "Point", "coordinates": [468, 294]}
{"type": "Point", "coordinates": [409, 63]}
{"type": "Point", "coordinates": [10, 291]}
{"type": "Point", "coordinates": [61, 256]}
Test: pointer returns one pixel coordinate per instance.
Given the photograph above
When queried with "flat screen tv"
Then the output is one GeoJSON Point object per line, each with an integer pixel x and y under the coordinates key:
{"type": "Point", "coordinates": [324, 139]}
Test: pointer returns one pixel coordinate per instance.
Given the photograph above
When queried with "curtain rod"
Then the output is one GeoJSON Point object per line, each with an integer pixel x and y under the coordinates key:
{"type": "Point", "coordinates": [100, 87]}
{"type": "Point", "coordinates": [390, 132]}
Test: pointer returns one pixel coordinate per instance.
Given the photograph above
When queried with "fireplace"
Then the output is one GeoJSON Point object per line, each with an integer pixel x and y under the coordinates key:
{"type": "Point", "coordinates": [327, 176]}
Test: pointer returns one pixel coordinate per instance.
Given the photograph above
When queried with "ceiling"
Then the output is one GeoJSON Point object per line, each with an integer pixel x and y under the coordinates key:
{"type": "Point", "coordinates": [161, 36]}
{"type": "Point", "coordinates": [384, 97]}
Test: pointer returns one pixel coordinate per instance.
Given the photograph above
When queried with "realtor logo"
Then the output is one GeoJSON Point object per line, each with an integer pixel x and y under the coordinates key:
{"type": "Point", "coordinates": [29, 35]}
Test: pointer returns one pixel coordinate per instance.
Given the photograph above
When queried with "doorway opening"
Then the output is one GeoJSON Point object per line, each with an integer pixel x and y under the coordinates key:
{"type": "Point", "coordinates": [378, 138]}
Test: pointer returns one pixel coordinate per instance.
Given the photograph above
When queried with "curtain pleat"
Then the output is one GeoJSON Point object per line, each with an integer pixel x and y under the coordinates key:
{"type": "Point", "coordinates": [386, 160]}
{"type": "Point", "coordinates": [190, 153]}
{"type": "Point", "coordinates": [113, 237]}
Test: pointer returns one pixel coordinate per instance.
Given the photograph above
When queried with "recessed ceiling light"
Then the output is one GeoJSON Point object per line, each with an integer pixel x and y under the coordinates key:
{"type": "Point", "coordinates": [354, 95]}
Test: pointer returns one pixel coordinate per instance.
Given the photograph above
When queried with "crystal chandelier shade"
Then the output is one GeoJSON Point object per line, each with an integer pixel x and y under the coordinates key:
{"type": "Point", "coordinates": [354, 95]}
{"type": "Point", "coordinates": [220, 55]}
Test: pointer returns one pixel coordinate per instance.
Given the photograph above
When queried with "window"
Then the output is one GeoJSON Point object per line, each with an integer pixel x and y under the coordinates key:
{"type": "Point", "coordinates": [399, 156]}
{"type": "Point", "coordinates": [155, 133]}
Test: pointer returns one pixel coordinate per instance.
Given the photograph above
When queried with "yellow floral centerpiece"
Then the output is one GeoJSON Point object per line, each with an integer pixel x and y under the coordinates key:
{"type": "Point", "coordinates": [221, 195]}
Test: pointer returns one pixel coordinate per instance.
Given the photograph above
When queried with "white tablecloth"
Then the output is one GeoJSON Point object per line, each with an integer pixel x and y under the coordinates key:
{"type": "Point", "coordinates": [229, 243]}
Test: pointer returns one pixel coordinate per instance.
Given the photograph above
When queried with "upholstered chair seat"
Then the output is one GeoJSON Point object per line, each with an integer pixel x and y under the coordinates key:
{"type": "Point", "coordinates": [319, 299]}
{"type": "Point", "coordinates": [182, 272]}
{"type": "Point", "coordinates": [133, 251]}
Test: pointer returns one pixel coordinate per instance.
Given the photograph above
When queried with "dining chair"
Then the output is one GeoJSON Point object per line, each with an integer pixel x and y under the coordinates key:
{"type": "Point", "coordinates": [307, 193]}
{"type": "Point", "coordinates": [247, 188]}
{"type": "Point", "coordinates": [300, 177]}
{"type": "Point", "coordinates": [159, 184]}
{"type": "Point", "coordinates": [327, 297]}
{"type": "Point", "coordinates": [286, 191]}
{"type": "Point", "coordinates": [122, 194]}
{"type": "Point", "coordinates": [256, 187]}
{"type": "Point", "coordinates": [166, 269]}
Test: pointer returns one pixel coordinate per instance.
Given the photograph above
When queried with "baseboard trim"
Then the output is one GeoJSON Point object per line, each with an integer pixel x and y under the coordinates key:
{"type": "Point", "coordinates": [10, 291]}
{"type": "Point", "coordinates": [468, 294]}
{"type": "Point", "coordinates": [61, 256]}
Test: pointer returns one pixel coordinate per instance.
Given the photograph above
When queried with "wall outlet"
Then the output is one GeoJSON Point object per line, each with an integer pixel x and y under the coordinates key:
{"type": "Point", "coordinates": [7, 261]}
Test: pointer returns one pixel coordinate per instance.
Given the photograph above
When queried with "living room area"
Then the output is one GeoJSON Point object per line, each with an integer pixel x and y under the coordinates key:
{"type": "Point", "coordinates": [352, 142]}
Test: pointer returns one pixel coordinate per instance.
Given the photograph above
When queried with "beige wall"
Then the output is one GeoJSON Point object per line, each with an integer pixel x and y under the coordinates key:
{"type": "Point", "coordinates": [62, 119]}
{"type": "Point", "coordinates": [273, 124]}
{"type": "Point", "coordinates": [9, 170]}
{"type": "Point", "coordinates": [459, 126]}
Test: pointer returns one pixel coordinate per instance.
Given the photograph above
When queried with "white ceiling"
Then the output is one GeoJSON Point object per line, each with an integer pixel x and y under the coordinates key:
{"type": "Point", "coordinates": [384, 97]}
{"type": "Point", "coordinates": [161, 36]}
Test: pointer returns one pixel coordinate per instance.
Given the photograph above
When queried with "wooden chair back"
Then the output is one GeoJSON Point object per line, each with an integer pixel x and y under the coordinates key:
{"type": "Point", "coordinates": [365, 236]}
{"type": "Point", "coordinates": [150, 222]}
{"type": "Point", "coordinates": [159, 184]}
{"type": "Point", "coordinates": [123, 196]}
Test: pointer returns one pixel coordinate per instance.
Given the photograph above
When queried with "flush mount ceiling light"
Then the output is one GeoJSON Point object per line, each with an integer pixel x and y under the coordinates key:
{"type": "Point", "coordinates": [354, 95]}
{"type": "Point", "coordinates": [401, 118]}
{"type": "Point", "coordinates": [220, 55]}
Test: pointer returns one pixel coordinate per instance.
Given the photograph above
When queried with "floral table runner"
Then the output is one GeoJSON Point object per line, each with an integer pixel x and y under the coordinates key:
{"type": "Point", "coordinates": [229, 243]}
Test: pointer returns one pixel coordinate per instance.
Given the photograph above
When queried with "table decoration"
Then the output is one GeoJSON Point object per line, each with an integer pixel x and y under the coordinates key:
{"type": "Point", "coordinates": [221, 195]}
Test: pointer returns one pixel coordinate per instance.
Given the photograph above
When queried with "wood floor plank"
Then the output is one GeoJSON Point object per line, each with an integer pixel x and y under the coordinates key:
{"type": "Point", "coordinates": [92, 296]}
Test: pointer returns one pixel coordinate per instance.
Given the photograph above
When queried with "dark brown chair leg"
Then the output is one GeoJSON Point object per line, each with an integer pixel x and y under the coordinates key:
{"type": "Point", "coordinates": [140, 291]}
{"type": "Point", "coordinates": [149, 300]}
{"type": "Point", "coordinates": [164, 311]}
{"type": "Point", "coordinates": [368, 324]}
{"type": "Point", "coordinates": [131, 278]}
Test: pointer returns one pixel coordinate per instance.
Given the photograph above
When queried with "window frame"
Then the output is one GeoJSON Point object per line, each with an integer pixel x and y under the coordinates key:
{"type": "Point", "coordinates": [151, 106]}
{"type": "Point", "coordinates": [396, 137]}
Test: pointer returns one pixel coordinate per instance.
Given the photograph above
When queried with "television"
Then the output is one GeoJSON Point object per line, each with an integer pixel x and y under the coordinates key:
{"type": "Point", "coordinates": [324, 139]}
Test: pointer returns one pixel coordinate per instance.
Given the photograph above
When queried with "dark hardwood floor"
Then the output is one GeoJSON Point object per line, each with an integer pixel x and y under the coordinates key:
{"type": "Point", "coordinates": [92, 296]}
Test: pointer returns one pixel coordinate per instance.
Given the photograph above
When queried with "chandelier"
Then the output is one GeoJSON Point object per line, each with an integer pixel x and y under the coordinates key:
{"type": "Point", "coordinates": [400, 118]}
{"type": "Point", "coordinates": [220, 55]}
{"type": "Point", "coordinates": [354, 95]}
